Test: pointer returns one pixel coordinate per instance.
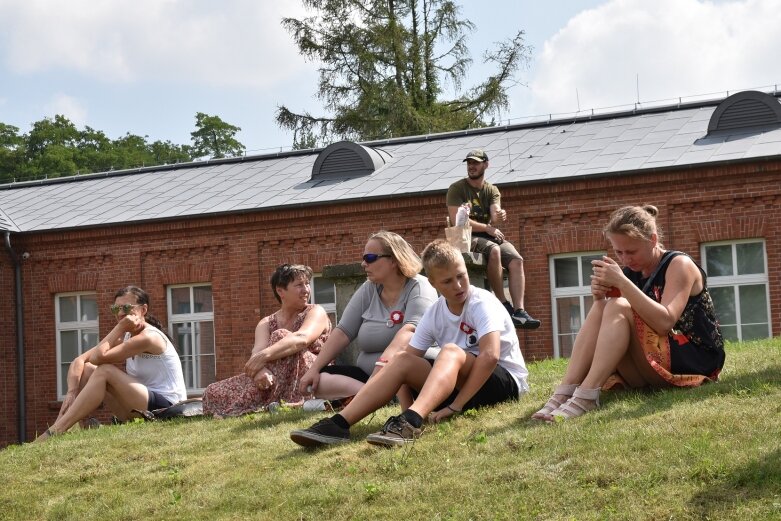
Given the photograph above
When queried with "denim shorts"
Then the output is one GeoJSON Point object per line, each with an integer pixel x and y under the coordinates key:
{"type": "Point", "coordinates": [157, 401]}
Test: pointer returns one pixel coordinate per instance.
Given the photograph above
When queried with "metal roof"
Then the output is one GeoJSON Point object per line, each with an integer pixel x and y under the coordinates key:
{"type": "Point", "coordinates": [617, 144]}
{"type": "Point", "coordinates": [6, 224]}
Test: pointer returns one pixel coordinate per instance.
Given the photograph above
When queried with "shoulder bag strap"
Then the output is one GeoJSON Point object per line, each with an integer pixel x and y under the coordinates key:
{"type": "Point", "coordinates": [667, 258]}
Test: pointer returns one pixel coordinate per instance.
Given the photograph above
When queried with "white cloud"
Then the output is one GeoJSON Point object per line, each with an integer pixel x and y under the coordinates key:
{"type": "Point", "coordinates": [231, 43]}
{"type": "Point", "coordinates": [68, 106]}
{"type": "Point", "coordinates": [675, 47]}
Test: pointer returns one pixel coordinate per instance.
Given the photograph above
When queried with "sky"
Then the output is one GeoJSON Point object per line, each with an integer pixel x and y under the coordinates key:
{"type": "Point", "coordinates": [147, 66]}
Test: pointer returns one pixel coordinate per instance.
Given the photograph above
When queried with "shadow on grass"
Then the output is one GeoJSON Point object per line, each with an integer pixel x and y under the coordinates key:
{"type": "Point", "coordinates": [654, 401]}
{"type": "Point", "coordinates": [759, 481]}
{"type": "Point", "coordinates": [265, 420]}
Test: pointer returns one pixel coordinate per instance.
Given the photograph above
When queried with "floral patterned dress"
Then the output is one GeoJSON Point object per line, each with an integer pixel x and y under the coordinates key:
{"type": "Point", "coordinates": [693, 351]}
{"type": "Point", "coordinates": [240, 395]}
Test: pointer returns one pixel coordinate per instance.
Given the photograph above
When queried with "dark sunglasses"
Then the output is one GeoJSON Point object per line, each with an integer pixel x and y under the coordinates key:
{"type": "Point", "coordinates": [126, 308]}
{"type": "Point", "coordinates": [369, 258]}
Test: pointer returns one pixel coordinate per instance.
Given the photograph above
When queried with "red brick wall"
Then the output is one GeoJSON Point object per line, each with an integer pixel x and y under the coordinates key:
{"type": "Point", "coordinates": [238, 253]}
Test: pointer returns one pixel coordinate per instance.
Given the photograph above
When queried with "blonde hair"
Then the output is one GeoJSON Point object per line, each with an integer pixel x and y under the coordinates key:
{"type": "Point", "coordinates": [638, 222]}
{"type": "Point", "coordinates": [394, 244]}
{"type": "Point", "coordinates": [438, 254]}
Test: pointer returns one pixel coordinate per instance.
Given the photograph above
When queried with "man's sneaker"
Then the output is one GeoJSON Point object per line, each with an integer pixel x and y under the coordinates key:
{"type": "Point", "coordinates": [396, 431]}
{"type": "Point", "coordinates": [508, 307]}
{"type": "Point", "coordinates": [524, 320]}
{"type": "Point", "coordinates": [324, 432]}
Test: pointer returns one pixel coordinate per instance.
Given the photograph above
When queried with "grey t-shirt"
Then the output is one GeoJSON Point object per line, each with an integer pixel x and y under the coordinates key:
{"type": "Point", "coordinates": [366, 318]}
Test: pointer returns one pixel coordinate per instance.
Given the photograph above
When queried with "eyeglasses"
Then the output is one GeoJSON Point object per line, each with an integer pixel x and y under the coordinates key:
{"type": "Point", "coordinates": [369, 258]}
{"type": "Point", "coordinates": [125, 308]}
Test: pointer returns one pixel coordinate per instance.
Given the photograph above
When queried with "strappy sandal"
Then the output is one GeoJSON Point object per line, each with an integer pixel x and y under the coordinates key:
{"type": "Point", "coordinates": [552, 404]}
{"type": "Point", "coordinates": [582, 401]}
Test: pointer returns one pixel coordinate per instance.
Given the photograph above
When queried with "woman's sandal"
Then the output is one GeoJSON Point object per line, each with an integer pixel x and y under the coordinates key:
{"type": "Point", "coordinates": [553, 403]}
{"type": "Point", "coordinates": [582, 401]}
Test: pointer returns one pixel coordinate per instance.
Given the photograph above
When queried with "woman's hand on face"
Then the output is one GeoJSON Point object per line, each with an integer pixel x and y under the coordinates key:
{"type": "Point", "coordinates": [132, 324]}
{"type": "Point", "coordinates": [308, 383]}
{"type": "Point", "coordinates": [264, 379]}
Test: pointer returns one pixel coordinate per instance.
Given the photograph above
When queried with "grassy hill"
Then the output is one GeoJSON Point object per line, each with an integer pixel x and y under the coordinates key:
{"type": "Point", "coordinates": [707, 453]}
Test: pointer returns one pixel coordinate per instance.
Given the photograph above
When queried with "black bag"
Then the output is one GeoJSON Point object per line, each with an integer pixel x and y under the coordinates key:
{"type": "Point", "coordinates": [184, 409]}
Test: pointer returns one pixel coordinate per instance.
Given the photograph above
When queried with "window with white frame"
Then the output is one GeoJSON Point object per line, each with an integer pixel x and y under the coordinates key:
{"type": "Point", "coordinates": [571, 297]}
{"type": "Point", "coordinates": [77, 331]}
{"type": "Point", "coordinates": [191, 324]}
{"type": "Point", "coordinates": [738, 284]}
{"type": "Point", "coordinates": [324, 293]}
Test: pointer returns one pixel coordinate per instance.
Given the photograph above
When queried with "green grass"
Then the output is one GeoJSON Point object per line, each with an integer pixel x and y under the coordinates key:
{"type": "Point", "coordinates": [707, 453]}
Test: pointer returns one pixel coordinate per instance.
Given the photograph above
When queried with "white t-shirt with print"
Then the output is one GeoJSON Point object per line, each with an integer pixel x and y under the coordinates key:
{"type": "Point", "coordinates": [482, 314]}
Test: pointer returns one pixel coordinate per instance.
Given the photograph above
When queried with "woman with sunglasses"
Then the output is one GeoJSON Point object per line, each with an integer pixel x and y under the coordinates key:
{"type": "Point", "coordinates": [153, 373]}
{"type": "Point", "coordinates": [286, 344]}
{"type": "Point", "coordinates": [381, 317]}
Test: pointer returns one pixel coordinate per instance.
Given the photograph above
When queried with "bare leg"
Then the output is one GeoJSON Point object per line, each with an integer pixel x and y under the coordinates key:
{"type": "Point", "coordinates": [404, 394]}
{"type": "Point", "coordinates": [493, 271]}
{"type": "Point", "coordinates": [450, 371]}
{"type": "Point", "coordinates": [615, 334]}
{"type": "Point", "coordinates": [579, 363]}
{"type": "Point", "coordinates": [85, 374]}
{"type": "Point", "coordinates": [128, 393]}
{"type": "Point", "coordinates": [335, 386]}
{"type": "Point", "coordinates": [635, 369]}
{"type": "Point", "coordinates": [585, 344]}
{"type": "Point", "coordinates": [404, 368]}
{"type": "Point", "coordinates": [517, 282]}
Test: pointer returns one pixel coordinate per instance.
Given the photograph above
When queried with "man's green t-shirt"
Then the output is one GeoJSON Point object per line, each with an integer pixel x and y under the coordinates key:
{"type": "Point", "coordinates": [481, 200]}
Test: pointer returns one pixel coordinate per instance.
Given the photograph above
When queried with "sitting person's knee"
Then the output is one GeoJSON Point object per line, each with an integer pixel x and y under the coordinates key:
{"type": "Point", "coordinates": [618, 305]}
{"type": "Point", "coordinates": [451, 351]}
{"type": "Point", "coordinates": [494, 255]}
{"type": "Point", "coordinates": [104, 370]}
{"type": "Point", "coordinates": [515, 264]}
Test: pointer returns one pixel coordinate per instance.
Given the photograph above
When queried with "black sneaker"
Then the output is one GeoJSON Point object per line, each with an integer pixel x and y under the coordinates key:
{"type": "Point", "coordinates": [508, 307]}
{"type": "Point", "coordinates": [524, 320]}
{"type": "Point", "coordinates": [396, 431]}
{"type": "Point", "coordinates": [324, 432]}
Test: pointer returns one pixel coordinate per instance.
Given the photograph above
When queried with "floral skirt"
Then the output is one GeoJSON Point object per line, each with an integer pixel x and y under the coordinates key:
{"type": "Point", "coordinates": [240, 395]}
{"type": "Point", "coordinates": [695, 365]}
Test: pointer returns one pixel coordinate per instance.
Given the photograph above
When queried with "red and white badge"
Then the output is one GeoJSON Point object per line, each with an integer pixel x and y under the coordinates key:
{"type": "Point", "coordinates": [396, 318]}
{"type": "Point", "coordinates": [466, 328]}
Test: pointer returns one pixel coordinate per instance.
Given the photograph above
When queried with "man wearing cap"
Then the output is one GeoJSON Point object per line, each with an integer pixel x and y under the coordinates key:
{"type": "Point", "coordinates": [485, 213]}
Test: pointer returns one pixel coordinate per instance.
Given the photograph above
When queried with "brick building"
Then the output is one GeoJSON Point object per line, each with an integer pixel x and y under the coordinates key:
{"type": "Point", "coordinates": [203, 238]}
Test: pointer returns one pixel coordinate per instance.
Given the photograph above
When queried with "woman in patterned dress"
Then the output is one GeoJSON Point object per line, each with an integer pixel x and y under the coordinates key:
{"type": "Point", "coordinates": [652, 322]}
{"type": "Point", "coordinates": [286, 344]}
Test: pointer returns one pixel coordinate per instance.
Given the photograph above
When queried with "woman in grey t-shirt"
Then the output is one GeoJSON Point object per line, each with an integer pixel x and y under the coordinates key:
{"type": "Point", "coordinates": [381, 317]}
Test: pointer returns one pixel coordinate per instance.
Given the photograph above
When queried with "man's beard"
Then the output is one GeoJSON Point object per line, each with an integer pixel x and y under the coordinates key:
{"type": "Point", "coordinates": [478, 176]}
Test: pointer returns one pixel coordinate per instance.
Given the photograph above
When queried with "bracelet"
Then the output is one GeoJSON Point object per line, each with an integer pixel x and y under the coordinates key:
{"type": "Point", "coordinates": [381, 362]}
{"type": "Point", "coordinates": [454, 410]}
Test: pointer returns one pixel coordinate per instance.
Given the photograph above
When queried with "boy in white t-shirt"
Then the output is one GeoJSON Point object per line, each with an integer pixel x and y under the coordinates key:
{"type": "Point", "coordinates": [480, 362]}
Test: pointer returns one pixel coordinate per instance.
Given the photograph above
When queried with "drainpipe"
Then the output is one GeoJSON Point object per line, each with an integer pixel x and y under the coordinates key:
{"type": "Point", "coordinates": [19, 337]}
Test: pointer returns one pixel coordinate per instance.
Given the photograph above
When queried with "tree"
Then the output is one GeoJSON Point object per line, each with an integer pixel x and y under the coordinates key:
{"type": "Point", "coordinates": [11, 152]}
{"type": "Point", "coordinates": [215, 138]}
{"type": "Point", "coordinates": [383, 67]}
{"type": "Point", "coordinates": [51, 149]}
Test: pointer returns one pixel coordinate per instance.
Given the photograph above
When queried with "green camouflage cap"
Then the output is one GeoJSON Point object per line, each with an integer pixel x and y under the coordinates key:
{"type": "Point", "coordinates": [478, 155]}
